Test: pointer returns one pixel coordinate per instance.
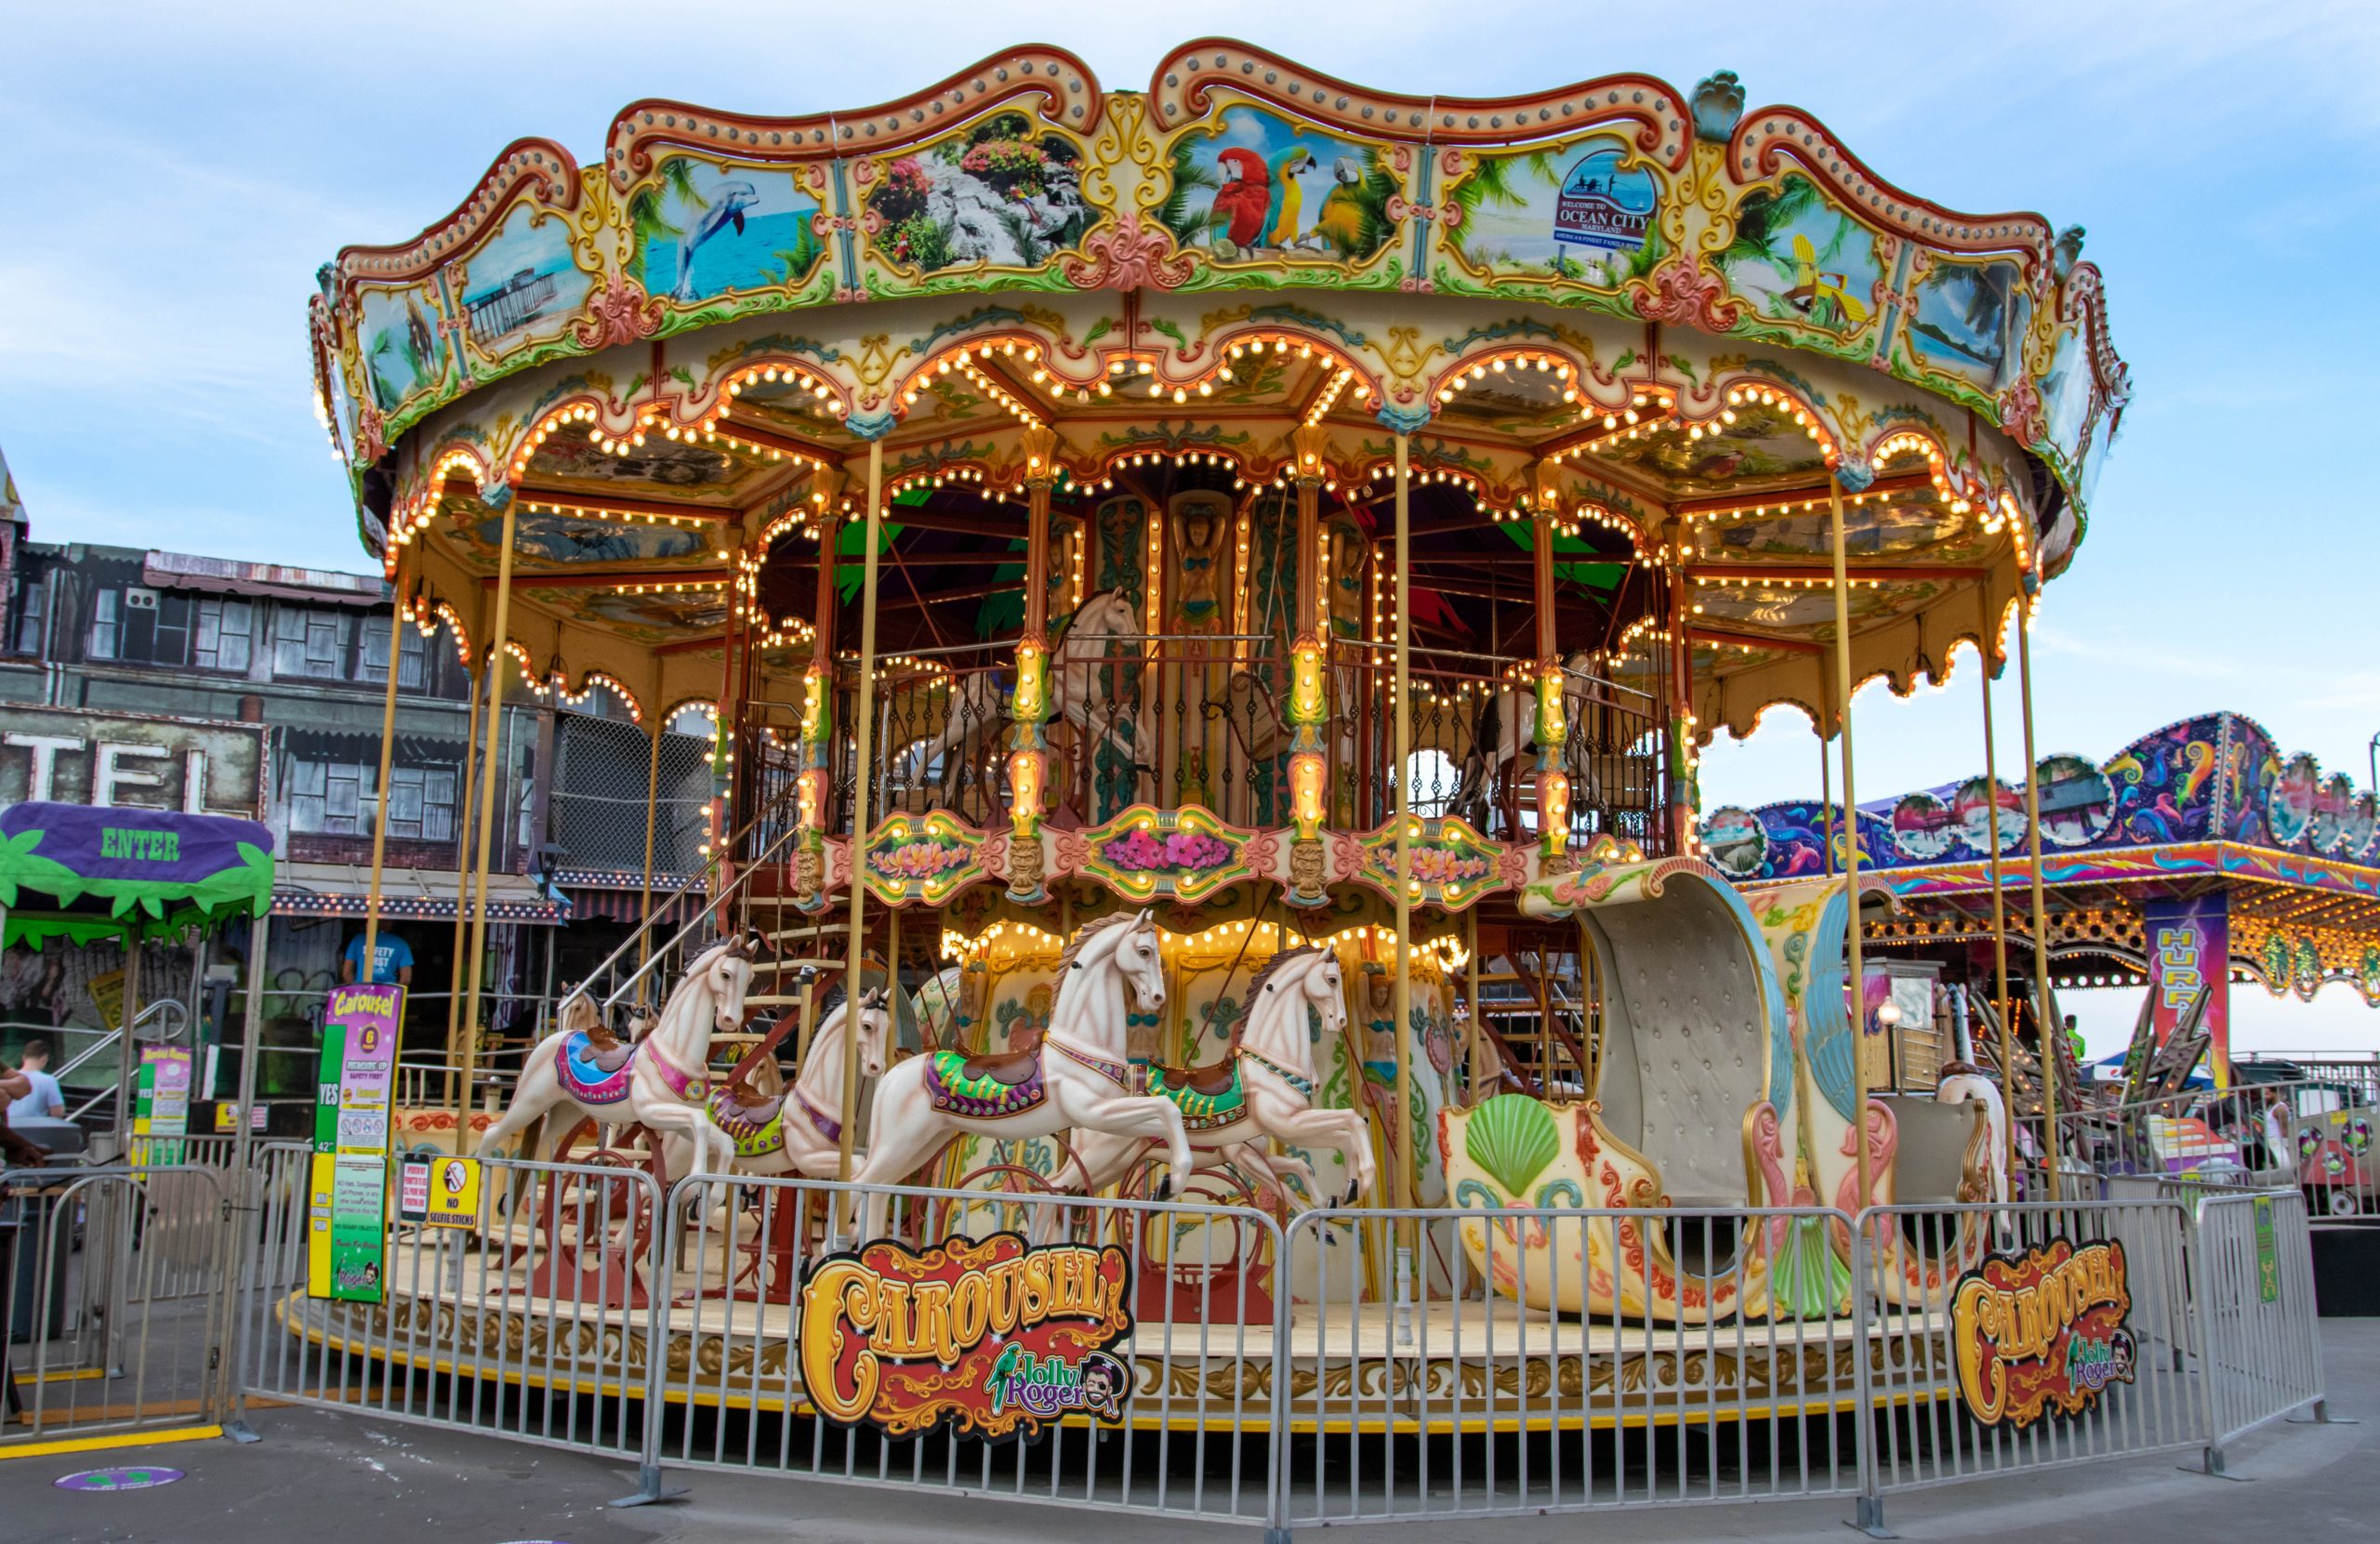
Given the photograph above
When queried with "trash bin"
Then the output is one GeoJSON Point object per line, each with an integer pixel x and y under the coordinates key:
{"type": "Point", "coordinates": [25, 1223]}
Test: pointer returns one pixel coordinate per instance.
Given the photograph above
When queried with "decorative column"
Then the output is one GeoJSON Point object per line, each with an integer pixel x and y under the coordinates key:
{"type": "Point", "coordinates": [1985, 646]}
{"type": "Point", "coordinates": [1552, 718]}
{"type": "Point", "coordinates": [736, 645]}
{"type": "Point", "coordinates": [1028, 761]}
{"type": "Point", "coordinates": [1401, 1193]}
{"type": "Point", "coordinates": [815, 789]}
{"type": "Point", "coordinates": [1309, 707]}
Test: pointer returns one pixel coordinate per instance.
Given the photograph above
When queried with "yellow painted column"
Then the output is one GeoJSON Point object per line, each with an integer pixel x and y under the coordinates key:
{"type": "Point", "coordinates": [462, 884]}
{"type": "Point", "coordinates": [652, 817]}
{"type": "Point", "coordinates": [864, 732]}
{"type": "Point", "coordinates": [1851, 850]}
{"type": "Point", "coordinates": [2050, 1030]}
{"type": "Point", "coordinates": [491, 774]}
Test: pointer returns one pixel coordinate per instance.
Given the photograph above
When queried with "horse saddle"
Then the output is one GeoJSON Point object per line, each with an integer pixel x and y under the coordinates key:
{"type": "Point", "coordinates": [1010, 1067]}
{"type": "Point", "coordinates": [1218, 1079]}
{"type": "Point", "coordinates": [753, 1109]}
{"type": "Point", "coordinates": [608, 1055]}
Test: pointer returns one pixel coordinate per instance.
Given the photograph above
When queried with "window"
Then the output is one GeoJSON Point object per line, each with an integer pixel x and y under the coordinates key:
{"type": "Point", "coordinates": [413, 661]}
{"type": "Point", "coordinates": [226, 635]}
{"type": "Point", "coordinates": [107, 622]}
{"type": "Point", "coordinates": [421, 804]}
{"type": "Point", "coordinates": [330, 798]}
{"type": "Point", "coordinates": [169, 628]}
{"type": "Point", "coordinates": [309, 643]}
{"type": "Point", "coordinates": [372, 659]}
{"type": "Point", "coordinates": [33, 622]}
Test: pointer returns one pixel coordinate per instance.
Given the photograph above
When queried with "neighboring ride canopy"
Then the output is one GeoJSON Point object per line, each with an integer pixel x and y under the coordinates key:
{"type": "Point", "coordinates": [80, 872]}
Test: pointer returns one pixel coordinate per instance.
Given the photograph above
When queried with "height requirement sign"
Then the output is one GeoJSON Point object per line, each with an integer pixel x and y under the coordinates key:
{"type": "Point", "coordinates": [347, 1198]}
{"type": "Point", "coordinates": [994, 1338]}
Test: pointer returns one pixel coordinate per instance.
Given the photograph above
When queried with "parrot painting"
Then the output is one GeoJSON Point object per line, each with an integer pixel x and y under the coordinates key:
{"type": "Point", "coordinates": [1241, 205]}
{"type": "Point", "coordinates": [1340, 223]}
{"type": "Point", "coordinates": [1281, 225]}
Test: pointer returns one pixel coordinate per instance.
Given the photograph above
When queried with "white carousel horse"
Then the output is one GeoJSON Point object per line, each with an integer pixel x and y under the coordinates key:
{"type": "Point", "coordinates": [1963, 1081]}
{"type": "Point", "coordinates": [1508, 721]}
{"type": "Point", "coordinates": [1078, 675]}
{"type": "Point", "coordinates": [1262, 1089]}
{"type": "Point", "coordinates": [799, 1130]}
{"type": "Point", "coordinates": [660, 1082]}
{"type": "Point", "coordinates": [1077, 1076]}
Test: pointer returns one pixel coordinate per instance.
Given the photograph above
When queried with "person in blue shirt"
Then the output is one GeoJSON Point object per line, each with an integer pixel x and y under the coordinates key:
{"type": "Point", "coordinates": [45, 1099]}
{"type": "Point", "coordinates": [392, 960]}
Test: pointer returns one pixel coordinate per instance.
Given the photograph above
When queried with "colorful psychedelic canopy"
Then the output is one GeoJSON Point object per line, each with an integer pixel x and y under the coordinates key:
{"type": "Point", "coordinates": [1673, 326]}
{"type": "Point", "coordinates": [80, 871]}
{"type": "Point", "coordinates": [2205, 810]}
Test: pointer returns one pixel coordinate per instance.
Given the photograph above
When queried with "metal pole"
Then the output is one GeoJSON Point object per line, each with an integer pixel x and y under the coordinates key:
{"type": "Point", "coordinates": [1851, 848]}
{"type": "Point", "coordinates": [862, 728]}
{"type": "Point", "coordinates": [651, 815]}
{"type": "Point", "coordinates": [1984, 650]}
{"type": "Point", "coordinates": [233, 1398]}
{"type": "Point", "coordinates": [1401, 1144]}
{"type": "Point", "coordinates": [2049, 1031]}
{"type": "Point", "coordinates": [1479, 1049]}
{"type": "Point", "coordinates": [128, 1051]}
{"type": "Point", "coordinates": [491, 773]}
{"type": "Point", "coordinates": [462, 885]}
{"type": "Point", "coordinates": [388, 756]}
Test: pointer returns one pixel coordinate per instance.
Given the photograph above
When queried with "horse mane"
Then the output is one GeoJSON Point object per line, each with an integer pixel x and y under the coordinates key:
{"type": "Point", "coordinates": [1282, 960]}
{"type": "Point", "coordinates": [1084, 935]}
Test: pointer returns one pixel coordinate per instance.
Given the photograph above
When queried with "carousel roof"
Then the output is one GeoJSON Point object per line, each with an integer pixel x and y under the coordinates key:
{"type": "Point", "coordinates": [1671, 325]}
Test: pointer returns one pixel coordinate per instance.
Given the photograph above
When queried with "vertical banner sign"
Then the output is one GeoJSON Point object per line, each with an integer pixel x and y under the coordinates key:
{"type": "Point", "coordinates": [2267, 1253]}
{"type": "Point", "coordinates": [162, 1114]}
{"type": "Point", "coordinates": [2189, 956]}
{"type": "Point", "coordinates": [994, 1338]}
{"type": "Point", "coordinates": [347, 1202]}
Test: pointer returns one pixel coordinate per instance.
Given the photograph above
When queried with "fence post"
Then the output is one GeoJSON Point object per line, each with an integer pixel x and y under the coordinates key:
{"type": "Point", "coordinates": [2198, 1311]}
{"type": "Point", "coordinates": [668, 1213]}
{"type": "Point", "coordinates": [1869, 1519]}
{"type": "Point", "coordinates": [1276, 1441]}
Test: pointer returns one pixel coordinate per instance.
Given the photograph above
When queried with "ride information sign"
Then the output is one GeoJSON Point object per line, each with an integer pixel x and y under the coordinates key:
{"type": "Point", "coordinates": [347, 1192]}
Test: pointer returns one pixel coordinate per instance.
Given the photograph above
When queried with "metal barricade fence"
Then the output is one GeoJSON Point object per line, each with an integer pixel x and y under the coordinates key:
{"type": "Point", "coordinates": [2050, 1356]}
{"type": "Point", "coordinates": [1194, 1433]}
{"type": "Point", "coordinates": [534, 1323]}
{"type": "Point", "coordinates": [2254, 1291]}
{"type": "Point", "coordinates": [1526, 1375]}
{"type": "Point", "coordinates": [110, 1298]}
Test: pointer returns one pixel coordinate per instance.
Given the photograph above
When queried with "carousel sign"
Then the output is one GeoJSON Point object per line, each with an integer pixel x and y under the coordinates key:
{"type": "Point", "coordinates": [2042, 1331]}
{"type": "Point", "coordinates": [994, 1338]}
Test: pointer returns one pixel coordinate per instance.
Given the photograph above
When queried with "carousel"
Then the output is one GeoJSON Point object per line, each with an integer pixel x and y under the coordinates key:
{"type": "Point", "coordinates": [1211, 595]}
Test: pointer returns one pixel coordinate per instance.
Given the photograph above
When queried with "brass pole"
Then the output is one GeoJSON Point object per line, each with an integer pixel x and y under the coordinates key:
{"type": "Point", "coordinates": [462, 885]}
{"type": "Point", "coordinates": [387, 748]}
{"type": "Point", "coordinates": [863, 729]}
{"type": "Point", "coordinates": [652, 818]}
{"type": "Point", "coordinates": [1851, 851]}
{"type": "Point", "coordinates": [1479, 1029]}
{"type": "Point", "coordinates": [2042, 1013]}
{"type": "Point", "coordinates": [491, 773]}
{"type": "Point", "coordinates": [1402, 999]}
{"type": "Point", "coordinates": [1999, 896]}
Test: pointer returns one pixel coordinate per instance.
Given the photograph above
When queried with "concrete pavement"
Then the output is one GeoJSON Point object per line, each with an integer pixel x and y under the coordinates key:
{"type": "Point", "coordinates": [330, 1478]}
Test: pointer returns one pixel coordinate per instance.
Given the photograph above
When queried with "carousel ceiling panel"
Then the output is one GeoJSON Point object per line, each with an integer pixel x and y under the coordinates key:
{"type": "Point", "coordinates": [545, 540]}
{"type": "Point", "coordinates": [1803, 611]}
{"type": "Point", "coordinates": [1763, 448]}
{"type": "Point", "coordinates": [647, 617]}
{"type": "Point", "coordinates": [1896, 526]}
{"type": "Point", "coordinates": [659, 467]}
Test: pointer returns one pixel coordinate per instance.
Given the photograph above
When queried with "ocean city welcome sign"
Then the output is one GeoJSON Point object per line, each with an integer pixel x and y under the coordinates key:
{"type": "Point", "coordinates": [994, 1338]}
{"type": "Point", "coordinates": [2042, 1331]}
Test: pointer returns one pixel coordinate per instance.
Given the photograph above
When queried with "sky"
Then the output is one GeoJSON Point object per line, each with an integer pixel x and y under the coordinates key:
{"type": "Point", "coordinates": [177, 174]}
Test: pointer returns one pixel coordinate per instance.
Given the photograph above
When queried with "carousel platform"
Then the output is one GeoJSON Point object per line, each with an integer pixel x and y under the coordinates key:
{"type": "Point", "coordinates": [1440, 1368]}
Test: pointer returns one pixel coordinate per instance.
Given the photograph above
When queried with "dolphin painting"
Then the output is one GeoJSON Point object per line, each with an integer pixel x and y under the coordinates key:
{"type": "Point", "coordinates": [728, 204]}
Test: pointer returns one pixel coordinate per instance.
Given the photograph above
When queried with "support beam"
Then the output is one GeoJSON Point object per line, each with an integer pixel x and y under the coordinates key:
{"type": "Point", "coordinates": [1851, 854]}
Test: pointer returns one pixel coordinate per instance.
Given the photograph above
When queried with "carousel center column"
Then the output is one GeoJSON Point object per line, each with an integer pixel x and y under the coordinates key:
{"type": "Point", "coordinates": [1028, 761]}
{"type": "Point", "coordinates": [863, 716]}
{"type": "Point", "coordinates": [814, 793]}
{"type": "Point", "coordinates": [1309, 766]}
{"type": "Point", "coordinates": [1553, 716]}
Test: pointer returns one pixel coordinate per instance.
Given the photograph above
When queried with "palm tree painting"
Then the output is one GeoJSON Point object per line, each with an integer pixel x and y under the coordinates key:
{"type": "Point", "coordinates": [1799, 259]}
{"type": "Point", "coordinates": [1580, 212]}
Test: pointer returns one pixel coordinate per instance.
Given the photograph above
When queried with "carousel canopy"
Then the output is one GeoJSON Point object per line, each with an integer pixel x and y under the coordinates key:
{"type": "Point", "coordinates": [1643, 324]}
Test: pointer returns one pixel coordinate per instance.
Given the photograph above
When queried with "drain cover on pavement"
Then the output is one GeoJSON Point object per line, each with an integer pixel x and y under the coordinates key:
{"type": "Point", "coordinates": [119, 1479]}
